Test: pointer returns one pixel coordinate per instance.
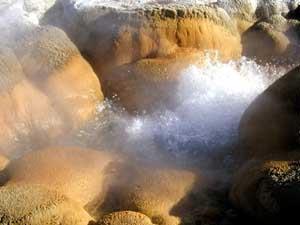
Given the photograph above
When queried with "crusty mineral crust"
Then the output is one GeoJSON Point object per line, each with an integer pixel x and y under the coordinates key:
{"type": "Point", "coordinates": [48, 46]}
{"type": "Point", "coordinates": [125, 218]}
{"type": "Point", "coordinates": [115, 38]}
{"type": "Point", "coordinates": [36, 205]}
{"type": "Point", "coordinates": [10, 70]}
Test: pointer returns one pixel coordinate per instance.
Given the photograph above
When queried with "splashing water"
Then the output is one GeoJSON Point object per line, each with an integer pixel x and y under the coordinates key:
{"type": "Point", "coordinates": [210, 103]}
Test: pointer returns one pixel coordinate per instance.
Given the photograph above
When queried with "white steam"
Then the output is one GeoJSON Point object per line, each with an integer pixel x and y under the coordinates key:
{"type": "Point", "coordinates": [210, 103]}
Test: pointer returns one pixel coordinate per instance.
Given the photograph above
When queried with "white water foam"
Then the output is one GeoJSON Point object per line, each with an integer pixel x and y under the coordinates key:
{"type": "Point", "coordinates": [211, 101]}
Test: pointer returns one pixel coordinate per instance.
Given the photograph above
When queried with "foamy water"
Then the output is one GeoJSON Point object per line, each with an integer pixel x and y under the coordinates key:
{"type": "Point", "coordinates": [210, 103]}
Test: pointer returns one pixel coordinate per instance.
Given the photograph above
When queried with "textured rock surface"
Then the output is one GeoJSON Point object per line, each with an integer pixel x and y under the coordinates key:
{"type": "Point", "coordinates": [271, 123]}
{"type": "Point", "coordinates": [267, 8]}
{"type": "Point", "coordinates": [27, 116]}
{"type": "Point", "coordinates": [77, 173]}
{"type": "Point", "coordinates": [53, 63]}
{"type": "Point", "coordinates": [35, 205]}
{"type": "Point", "coordinates": [244, 9]}
{"type": "Point", "coordinates": [154, 31]}
{"type": "Point", "coordinates": [267, 184]}
{"type": "Point", "coordinates": [154, 191]}
{"type": "Point", "coordinates": [125, 218]}
{"type": "Point", "coordinates": [149, 83]}
{"type": "Point", "coordinates": [277, 36]}
{"type": "Point", "coordinates": [269, 189]}
{"type": "Point", "coordinates": [144, 32]}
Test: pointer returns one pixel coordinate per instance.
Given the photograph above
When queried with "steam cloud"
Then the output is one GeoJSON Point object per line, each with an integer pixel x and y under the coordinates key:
{"type": "Point", "coordinates": [204, 123]}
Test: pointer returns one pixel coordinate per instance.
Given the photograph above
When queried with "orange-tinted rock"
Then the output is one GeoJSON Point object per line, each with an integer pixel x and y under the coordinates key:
{"type": "Point", "coordinates": [77, 173]}
{"type": "Point", "coordinates": [36, 205]}
{"type": "Point", "coordinates": [27, 117]}
{"type": "Point", "coordinates": [156, 34]}
{"type": "Point", "coordinates": [53, 63]}
{"type": "Point", "coordinates": [125, 218]}
{"type": "Point", "coordinates": [117, 39]}
{"type": "Point", "coordinates": [152, 190]}
{"type": "Point", "coordinates": [149, 83]}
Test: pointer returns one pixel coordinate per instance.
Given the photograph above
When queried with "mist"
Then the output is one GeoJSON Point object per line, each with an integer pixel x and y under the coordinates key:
{"type": "Point", "coordinates": [202, 126]}
{"type": "Point", "coordinates": [54, 96]}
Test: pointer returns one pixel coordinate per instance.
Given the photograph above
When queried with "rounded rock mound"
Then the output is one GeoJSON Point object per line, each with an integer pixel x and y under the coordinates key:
{"type": "Point", "coordinates": [269, 190]}
{"type": "Point", "coordinates": [27, 118]}
{"type": "Point", "coordinates": [77, 173]}
{"type": "Point", "coordinates": [159, 32]}
{"type": "Point", "coordinates": [35, 205]}
{"type": "Point", "coordinates": [155, 191]}
{"type": "Point", "coordinates": [149, 83]}
{"type": "Point", "coordinates": [271, 123]}
{"type": "Point", "coordinates": [52, 62]}
{"type": "Point", "coordinates": [277, 36]}
{"type": "Point", "coordinates": [125, 218]}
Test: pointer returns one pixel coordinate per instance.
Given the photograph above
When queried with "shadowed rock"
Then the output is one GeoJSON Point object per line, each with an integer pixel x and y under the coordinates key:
{"type": "Point", "coordinates": [294, 14]}
{"type": "Point", "coordinates": [271, 123]}
{"type": "Point", "coordinates": [267, 185]}
{"type": "Point", "coordinates": [152, 190]}
{"type": "Point", "coordinates": [269, 189]}
{"type": "Point", "coordinates": [274, 40]}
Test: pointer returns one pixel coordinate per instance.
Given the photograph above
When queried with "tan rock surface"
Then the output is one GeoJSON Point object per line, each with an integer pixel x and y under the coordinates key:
{"type": "Point", "coordinates": [55, 65]}
{"type": "Point", "coordinates": [27, 117]}
{"type": "Point", "coordinates": [35, 205]}
{"type": "Point", "coordinates": [125, 218]}
{"type": "Point", "coordinates": [77, 173]}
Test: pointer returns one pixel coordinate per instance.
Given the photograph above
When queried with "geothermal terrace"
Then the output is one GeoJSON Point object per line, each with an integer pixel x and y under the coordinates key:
{"type": "Point", "coordinates": [149, 112]}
